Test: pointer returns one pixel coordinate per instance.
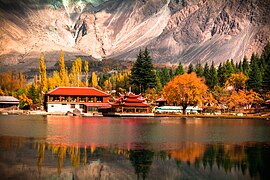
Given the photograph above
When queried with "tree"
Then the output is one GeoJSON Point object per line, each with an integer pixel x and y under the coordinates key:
{"type": "Point", "coordinates": [206, 73]}
{"type": "Point", "coordinates": [199, 69]}
{"type": "Point", "coordinates": [185, 90]}
{"type": "Point", "coordinates": [190, 68]}
{"type": "Point", "coordinates": [221, 74]}
{"type": "Point", "coordinates": [42, 74]}
{"type": "Point", "coordinates": [76, 72]}
{"type": "Point", "coordinates": [212, 80]}
{"type": "Point", "coordinates": [238, 81]}
{"type": "Point", "coordinates": [94, 80]}
{"type": "Point", "coordinates": [142, 72]}
{"type": "Point", "coordinates": [25, 102]}
{"type": "Point", "coordinates": [246, 67]}
{"type": "Point", "coordinates": [255, 76]}
{"type": "Point", "coordinates": [86, 72]}
{"type": "Point", "coordinates": [179, 70]}
{"type": "Point", "coordinates": [266, 77]}
{"type": "Point", "coordinates": [63, 74]}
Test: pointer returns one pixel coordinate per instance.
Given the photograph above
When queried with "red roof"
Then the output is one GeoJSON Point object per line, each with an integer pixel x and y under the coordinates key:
{"type": "Point", "coordinates": [78, 91]}
{"type": "Point", "coordinates": [134, 100]}
{"type": "Point", "coordinates": [132, 95]}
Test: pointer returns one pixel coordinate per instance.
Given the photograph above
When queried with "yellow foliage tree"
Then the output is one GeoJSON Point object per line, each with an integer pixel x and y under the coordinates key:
{"type": "Point", "coordinates": [86, 72]}
{"type": "Point", "coordinates": [185, 90]}
{"type": "Point", "coordinates": [238, 81]}
{"type": "Point", "coordinates": [63, 74]}
{"type": "Point", "coordinates": [76, 72]}
{"type": "Point", "coordinates": [42, 73]}
{"type": "Point", "coordinates": [94, 80]}
{"type": "Point", "coordinates": [25, 101]}
{"type": "Point", "coordinates": [54, 81]}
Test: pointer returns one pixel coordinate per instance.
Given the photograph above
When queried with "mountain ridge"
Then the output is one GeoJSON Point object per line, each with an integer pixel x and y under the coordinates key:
{"type": "Point", "coordinates": [188, 31]}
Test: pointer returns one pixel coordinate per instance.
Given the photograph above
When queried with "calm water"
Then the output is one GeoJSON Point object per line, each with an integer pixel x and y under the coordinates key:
{"type": "Point", "coordinates": [54, 147]}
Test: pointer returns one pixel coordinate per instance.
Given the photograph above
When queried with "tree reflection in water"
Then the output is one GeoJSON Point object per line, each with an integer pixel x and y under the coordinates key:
{"type": "Point", "coordinates": [141, 160]}
{"type": "Point", "coordinates": [252, 160]}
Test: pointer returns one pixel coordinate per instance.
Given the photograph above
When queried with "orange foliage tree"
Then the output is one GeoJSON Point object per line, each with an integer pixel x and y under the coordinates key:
{"type": "Point", "coordinates": [238, 81]}
{"type": "Point", "coordinates": [185, 90]}
{"type": "Point", "coordinates": [242, 99]}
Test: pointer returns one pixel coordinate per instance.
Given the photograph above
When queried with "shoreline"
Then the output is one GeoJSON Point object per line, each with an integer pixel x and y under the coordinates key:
{"type": "Point", "coordinates": [224, 116]}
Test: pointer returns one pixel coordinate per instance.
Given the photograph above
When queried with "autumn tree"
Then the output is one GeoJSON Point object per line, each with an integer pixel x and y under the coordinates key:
{"type": "Point", "coordinates": [76, 72]}
{"type": "Point", "coordinates": [63, 74]}
{"type": "Point", "coordinates": [238, 81]}
{"type": "Point", "coordinates": [25, 102]}
{"type": "Point", "coordinates": [42, 74]}
{"type": "Point", "coordinates": [185, 90]}
{"type": "Point", "coordinates": [94, 80]}
{"type": "Point", "coordinates": [86, 72]}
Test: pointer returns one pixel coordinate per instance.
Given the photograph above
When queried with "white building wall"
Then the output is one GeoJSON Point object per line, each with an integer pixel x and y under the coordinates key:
{"type": "Point", "coordinates": [54, 108]}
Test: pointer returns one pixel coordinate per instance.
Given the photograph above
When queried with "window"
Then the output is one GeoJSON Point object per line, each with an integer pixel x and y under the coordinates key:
{"type": "Point", "coordinates": [64, 99]}
{"type": "Point", "coordinates": [99, 99]}
{"type": "Point", "coordinates": [64, 104]}
{"type": "Point", "coordinates": [90, 99]}
{"type": "Point", "coordinates": [73, 99]}
{"type": "Point", "coordinates": [72, 106]}
{"type": "Point", "coordinates": [81, 106]}
{"type": "Point", "coordinates": [82, 99]}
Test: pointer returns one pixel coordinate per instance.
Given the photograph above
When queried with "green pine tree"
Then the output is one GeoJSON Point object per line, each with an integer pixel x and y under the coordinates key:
{"type": "Point", "coordinates": [221, 74]}
{"type": "Point", "coordinates": [179, 70]}
{"type": "Point", "coordinates": [199, 69]}
{"type": "Point", "coordinates": [142, 72]}
{"type": "Point", "coordinates": [245, 67]}
{"type": "Point", "coordinates": [190, 68]}
{"type": "Point", "coordinates": [255, 75]}
{"type": "Point", "coordinates": [213, 77]}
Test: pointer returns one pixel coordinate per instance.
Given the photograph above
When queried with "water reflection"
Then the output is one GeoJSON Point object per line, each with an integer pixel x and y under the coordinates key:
{"type": "Point", "coordinates": [189, 160]}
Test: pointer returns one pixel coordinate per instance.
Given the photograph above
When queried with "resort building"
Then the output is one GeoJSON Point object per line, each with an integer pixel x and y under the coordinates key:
{"type": "Point", "coordinates": [129, 105]}
{"type": "Point", "coordinates": [8, 101]}
{"type": "Point", "coordinates": [67, 99]}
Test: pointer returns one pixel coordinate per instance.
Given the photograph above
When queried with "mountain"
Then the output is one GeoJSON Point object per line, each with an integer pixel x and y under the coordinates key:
{"type": "Point", "coordinates": [173, 30]}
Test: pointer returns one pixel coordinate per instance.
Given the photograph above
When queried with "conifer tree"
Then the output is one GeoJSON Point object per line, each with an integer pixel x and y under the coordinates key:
{"type": "Point", "coordinates": [246, 67]}
{"type": "Point", "coordinates": [190, 68]}
{"type": "Point", "coordinates": [42, 73]}
{"type": "Point", "coordinates": [136, 72]}
{"type": "Point", "coordinates": [266, 56]}
{"type": "Point", "coordinates": [228, 70]}
{"type": "Point", "coordinates": [148, 68]}
{"type": "Point", "coordinates": [221, 75]}
{"type": "Point", "coordinates": [206, 71]}
{"type": "Point", "coordinates": [199, 69]}
{"type": "Point", "coordinates": [255, 76]}
{"type": "Point", "coordinates": [213, 77]}
{"type": "Point", "coordinates": [142, 72]}
{"type": "Point", "coordinates": [179, 70]}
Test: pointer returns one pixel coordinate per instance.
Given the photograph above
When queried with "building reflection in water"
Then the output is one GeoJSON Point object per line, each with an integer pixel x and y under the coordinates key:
{"type": "Point", "coordinates": [249, 159]}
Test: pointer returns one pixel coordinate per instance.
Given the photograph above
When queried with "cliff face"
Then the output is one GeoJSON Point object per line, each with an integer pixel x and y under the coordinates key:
{"type": "Point", "coordinates": [173, 30]}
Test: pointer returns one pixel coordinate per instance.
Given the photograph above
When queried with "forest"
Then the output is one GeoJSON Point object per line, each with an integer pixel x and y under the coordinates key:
{"type": "Point", "coordinates": [234, 86]}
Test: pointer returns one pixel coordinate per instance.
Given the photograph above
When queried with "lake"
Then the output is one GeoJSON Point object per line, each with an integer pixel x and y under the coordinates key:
{"type": "Point", "coordinates": [64, 147]}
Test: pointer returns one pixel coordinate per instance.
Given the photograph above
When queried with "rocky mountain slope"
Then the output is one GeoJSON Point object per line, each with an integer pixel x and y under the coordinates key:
{"type": "Point", "coordinates": [173, 30]}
